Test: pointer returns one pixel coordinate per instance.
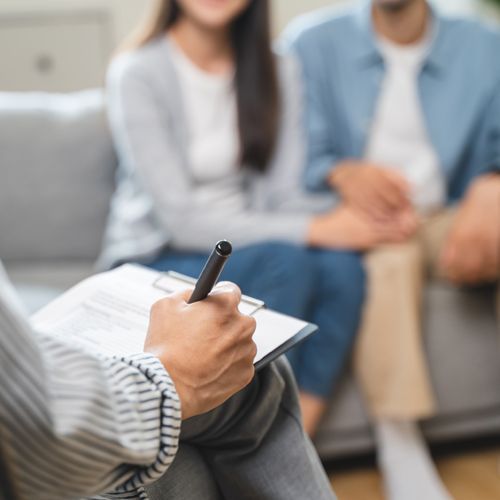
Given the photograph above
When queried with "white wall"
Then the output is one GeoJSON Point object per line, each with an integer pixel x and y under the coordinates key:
{"type": "Point", "coordinates": [125, 13]}
{"type": "Point", "coordinates": [285, 10]}
{"type": "Point", "coordinates": [24, 48]}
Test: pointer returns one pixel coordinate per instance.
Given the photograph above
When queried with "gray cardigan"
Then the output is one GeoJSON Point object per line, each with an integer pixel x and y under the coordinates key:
{"type": "Point", "coordinates": [158, 204]}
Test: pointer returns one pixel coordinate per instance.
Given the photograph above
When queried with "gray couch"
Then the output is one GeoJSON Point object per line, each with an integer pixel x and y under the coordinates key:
{"type": "Point", "coordinates": [56, 179]}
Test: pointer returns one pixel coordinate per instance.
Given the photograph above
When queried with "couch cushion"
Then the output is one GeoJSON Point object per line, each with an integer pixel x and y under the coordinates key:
{"type": "Point", "coordinates": [56, 175]}
{"type": "Point", "coordinates": [59, 275]}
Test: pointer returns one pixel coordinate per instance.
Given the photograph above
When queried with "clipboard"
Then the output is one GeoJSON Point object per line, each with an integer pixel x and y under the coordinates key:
{"type": "Point", "coordinates": [161, 283]}
{"type": "Point", "coordinates": [257, 304]}
{"type": "Point", "coordinates": [109, 313]}
{"type": "Point", "coordinates": [299, 337]}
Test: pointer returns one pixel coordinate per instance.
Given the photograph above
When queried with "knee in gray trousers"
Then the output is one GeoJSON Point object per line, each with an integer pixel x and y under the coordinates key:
{"type": "Point", "coordinates": [251, 447]}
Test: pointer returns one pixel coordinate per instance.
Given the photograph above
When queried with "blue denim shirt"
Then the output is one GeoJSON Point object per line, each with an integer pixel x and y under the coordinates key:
{"type": "Point", "coordinates": [343, 70]}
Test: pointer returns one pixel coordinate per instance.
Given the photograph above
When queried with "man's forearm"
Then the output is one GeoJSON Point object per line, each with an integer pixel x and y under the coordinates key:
{"type": "Point", "coordinates": [74, 424]}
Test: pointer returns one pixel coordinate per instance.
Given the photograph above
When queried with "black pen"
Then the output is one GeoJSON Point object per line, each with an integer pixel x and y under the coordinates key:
{"type": "Point", "coordinates": [212, 270]}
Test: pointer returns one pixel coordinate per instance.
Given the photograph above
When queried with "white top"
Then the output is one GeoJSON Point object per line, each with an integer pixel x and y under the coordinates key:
{"type": "Point", "coordinates": [160, 201]}
{"type": "Point", "coordinates": [398, 138]}
{"type": "Point", "coordinates": [209, 102]}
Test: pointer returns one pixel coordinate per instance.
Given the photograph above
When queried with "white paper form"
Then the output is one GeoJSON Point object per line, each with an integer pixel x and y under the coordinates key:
{"type": "Point", "coordinates": [110, 313]}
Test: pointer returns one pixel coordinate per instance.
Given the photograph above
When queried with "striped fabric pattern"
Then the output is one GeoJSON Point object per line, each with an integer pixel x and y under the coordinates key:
{"type": "Point", "coordinates": [74, 424]}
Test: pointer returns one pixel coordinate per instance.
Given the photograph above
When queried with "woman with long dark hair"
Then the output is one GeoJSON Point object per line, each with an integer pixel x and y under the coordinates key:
{"type": "Point", "coordinates": [207, 124]}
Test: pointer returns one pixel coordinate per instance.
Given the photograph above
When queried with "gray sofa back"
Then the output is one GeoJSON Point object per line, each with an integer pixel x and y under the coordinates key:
{"type": "Point", "coordinates": [56, 175]}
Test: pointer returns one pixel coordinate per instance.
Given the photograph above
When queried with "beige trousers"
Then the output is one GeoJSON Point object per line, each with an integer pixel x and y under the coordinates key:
{"type": "Point", "coordinates": [389, 357]}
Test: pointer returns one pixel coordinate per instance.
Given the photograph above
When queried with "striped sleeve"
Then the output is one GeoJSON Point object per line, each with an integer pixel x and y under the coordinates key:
{"type": "Point", "coordinates": [73, 424]}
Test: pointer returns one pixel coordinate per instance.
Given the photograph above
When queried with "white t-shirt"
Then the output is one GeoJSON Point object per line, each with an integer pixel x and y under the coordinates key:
{"type": "Point", "coordinates": [209, 102]}
{"type": "Point", "coordinates": [398, 137]}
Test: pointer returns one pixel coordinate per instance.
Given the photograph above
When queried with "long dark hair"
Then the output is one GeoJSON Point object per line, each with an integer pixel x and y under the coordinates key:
{"type": "Point", "coordinates": [256, 81]}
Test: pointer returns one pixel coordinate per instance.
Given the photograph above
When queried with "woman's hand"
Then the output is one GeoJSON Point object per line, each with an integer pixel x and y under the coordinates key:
{"type": "Point", "coordinates": [379, 192]}
{"type": "Point", "coordinates": [347, 228]}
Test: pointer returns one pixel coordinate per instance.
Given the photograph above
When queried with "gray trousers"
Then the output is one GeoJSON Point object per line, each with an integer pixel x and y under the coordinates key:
{"type": "Point", "coordinates": [252, 447]}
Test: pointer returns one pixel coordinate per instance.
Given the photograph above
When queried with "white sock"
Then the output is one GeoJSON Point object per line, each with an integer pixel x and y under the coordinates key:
{"type": "Point", "coordinates": [405, 463]}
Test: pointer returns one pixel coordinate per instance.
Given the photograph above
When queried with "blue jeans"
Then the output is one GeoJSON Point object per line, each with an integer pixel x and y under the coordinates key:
{"type": "Point", "coordinates": [324, 287]}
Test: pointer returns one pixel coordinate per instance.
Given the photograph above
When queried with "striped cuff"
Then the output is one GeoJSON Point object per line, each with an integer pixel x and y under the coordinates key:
{"type": "Point", "coordinates": [170, 424]}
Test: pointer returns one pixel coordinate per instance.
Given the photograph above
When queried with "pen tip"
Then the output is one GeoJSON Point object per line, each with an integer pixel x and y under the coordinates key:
{"type": "Point", "coordinates": [224, 248]}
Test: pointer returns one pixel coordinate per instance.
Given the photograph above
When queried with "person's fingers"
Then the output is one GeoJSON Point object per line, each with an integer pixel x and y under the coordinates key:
{"type": "Point", "coordinates": [446, 256]}
{"type": "Point", "coordinates": [494, 268]}
{"type": "Point", "coordinates": [227, 292]}
{"type": "Point", "coordinates": [409, 222]}
{"type": "Point", "coordinates": [388, 233]}
{"type": "Point", "coordinates": [416, 222]}
{"type": "Point", "coordinates": [374, 197]}
{"type": "Point", "coordinates": [375, 212]}
{"type": "Point", "coordinates": [227, 287]}
{"type": "Point", "coordinates": [465, 266]}
{"type": "Point", "coordinates": [394, 195]}
{"type": "Point", "coordinates": [185, 295]}
{"type": "Point", "coordinates": [246, 354]}
{"type": "Point", "coordinates": [484, 267]}
{"type": "Point", "coordinates": [362, 198]}
{"type": "Point", "coordinates": [471, 275]}
{"type": "Point", "coordinates": [253, 350]}
{"type": "Point", "coordinates": [398, 237]}
{"type": "Point", "coordinates": [448, 271]}
{"type": "Point", "coordinates": [487, 267]}
{"type": "Point", "coordinates": [382, 218]}
{"type": "Point", "coordinates": [391, 197]}
{"type": "Point", "coordinates": [375, 202]}
{"type": "Point", "coordinates": [364, 195]}
{"type": "Point", "coordinates": [492, 257]}
{"type": "Point", "coordinates": [403, 189]}
{"type": "Point", "coordinates": [399, 181]}
{"type": "Point", "coordinates": [380, 193]}
{"type": "Point", "coordinates": [459, 274]}
{"type": "Point", "coordinates": [177, 297]}
{"type": "Point", "coordinates": [248, 325]}
{"type": "Point", "coordinates": [370, 211]}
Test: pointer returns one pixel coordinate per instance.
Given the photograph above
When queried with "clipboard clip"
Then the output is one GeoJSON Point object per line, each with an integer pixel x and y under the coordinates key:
{"type": "Point", "coordinates": [250, 305]}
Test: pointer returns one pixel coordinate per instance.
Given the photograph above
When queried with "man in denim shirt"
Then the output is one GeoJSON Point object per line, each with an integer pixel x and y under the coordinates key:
{"type": "Point", "coordinates": [403, 119]}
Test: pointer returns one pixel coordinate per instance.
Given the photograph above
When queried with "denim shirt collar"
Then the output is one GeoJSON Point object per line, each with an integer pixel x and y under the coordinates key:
{"type": "Point", "coordinates": [368, 53]}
